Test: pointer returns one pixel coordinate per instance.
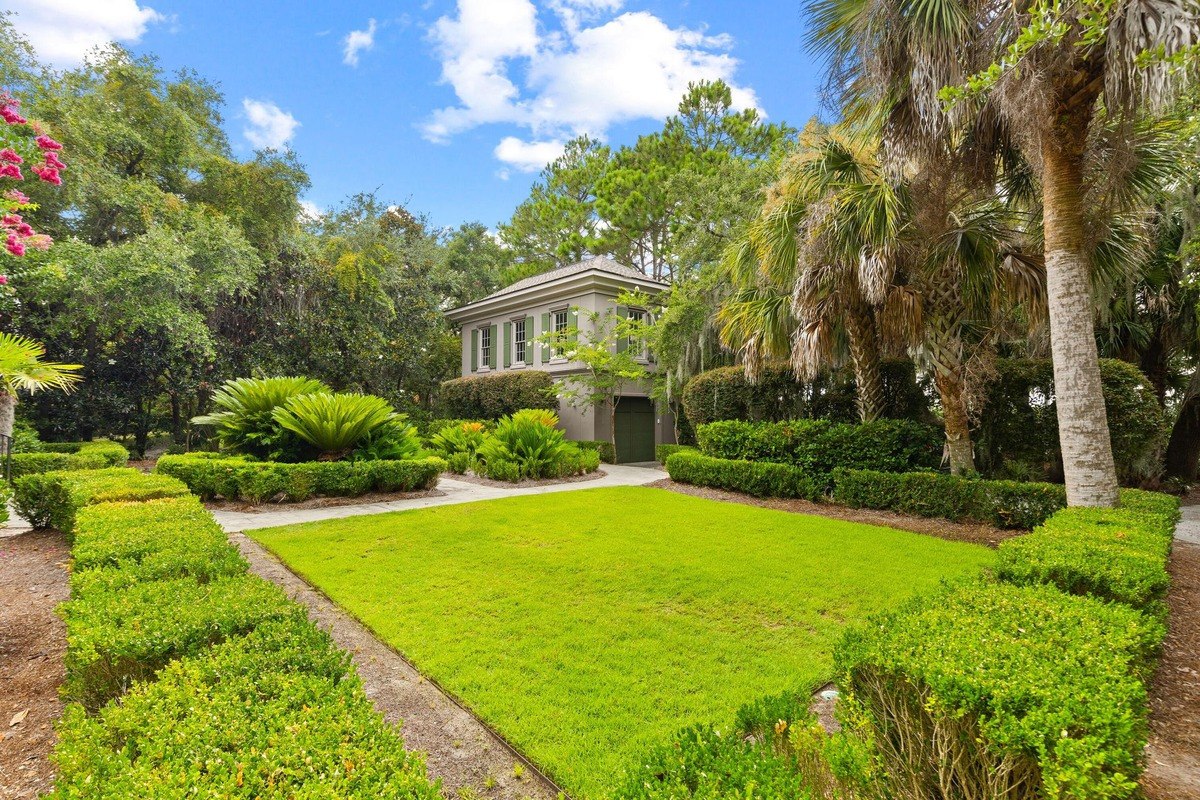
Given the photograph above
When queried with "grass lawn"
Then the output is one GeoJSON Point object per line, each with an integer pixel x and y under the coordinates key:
{"type": "Point", "coordinates": [587, 626]}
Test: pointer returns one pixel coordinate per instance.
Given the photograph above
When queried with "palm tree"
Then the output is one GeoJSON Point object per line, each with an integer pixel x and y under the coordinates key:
{"type": "Point", "coordinates": [22, 368]}
{"type": "Point", "coordinates": [1048, 96]}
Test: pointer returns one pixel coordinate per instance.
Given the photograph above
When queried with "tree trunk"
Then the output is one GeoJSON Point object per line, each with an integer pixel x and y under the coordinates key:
{"type": "Point", "coordinates": [864, 352]}
{"type": "Point", "coordinates": [1088, 468]}
{"type": "Point", "coordinates": [1183, 450]}
{"type": "Point", "coordinates": [8, 413]}
{"type": "Point", "coordinates": [952, 393]}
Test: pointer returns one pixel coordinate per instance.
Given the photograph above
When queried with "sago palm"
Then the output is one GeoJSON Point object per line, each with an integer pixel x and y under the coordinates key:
{"type": "Point", "coordinates": [334, 424]}
{"type": "Point", "coordinates": [244, 421]}
{"type": "Point", "coordinates": [23, 370]}
{"type": "Point", "coordinates": [1044, 79]}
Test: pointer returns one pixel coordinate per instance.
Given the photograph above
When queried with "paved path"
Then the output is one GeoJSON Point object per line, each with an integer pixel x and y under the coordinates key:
{"type": "Point", "coordinates": [1188, 529]}
{"type": "Point", "coordinates": [453, 492]}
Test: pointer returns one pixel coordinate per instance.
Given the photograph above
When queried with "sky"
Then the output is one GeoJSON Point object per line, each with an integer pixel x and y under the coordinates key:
{"type": "Point", "coordinates": [450, 108]}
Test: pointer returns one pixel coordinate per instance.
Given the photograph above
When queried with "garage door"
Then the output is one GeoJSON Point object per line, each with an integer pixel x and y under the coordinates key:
{"type": "Point", "coordinates": [635, 430]}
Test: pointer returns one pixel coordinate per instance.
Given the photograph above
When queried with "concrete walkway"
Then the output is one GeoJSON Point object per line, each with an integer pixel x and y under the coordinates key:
{"type": "Point", "coordinates": [1188, 529]}
{"type": "Point", "coordinates": [453, 492]}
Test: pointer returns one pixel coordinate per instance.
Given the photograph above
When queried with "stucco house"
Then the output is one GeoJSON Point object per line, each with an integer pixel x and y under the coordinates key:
{"type": "Point", "coordinates": [500, 333]}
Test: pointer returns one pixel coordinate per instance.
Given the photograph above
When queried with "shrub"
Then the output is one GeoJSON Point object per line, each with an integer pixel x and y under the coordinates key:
{"type": "Point", "coordinates": [1114, 554]}
{"type": "Point", "coordinates": [72, 455]}
{"type": "Point", "coordinates": [460, 463]}
{"type": "Point", "coordinates": [606, 451]}
{"type": "Point", "coordinates": [25, 438]}
{"type": "Point", "coordinates": [820, 446]}
{"type": "Point", "coordinates": [52, 499]}
{"type": "Point", "coordinates": [725, 393]}
{"type": "Point", "coordinates": [1020, 692]}
{"type": "Point", "coordinates": [259, 481]}
{"type": "Point", "coordinates": [334, 424]}
{"type": "Point", "coordinates": [459, 438]}
{"type": "Point", "coordinates": [497, 395]}
{"type": "Point", "coordinates": [1019, 423]}
{"type": "Point", "coordinates": [428, 428]}
{"type": "Point", "coordinates": [758, 478]}
{"type": "Point", "coordinates": [664, 451]}
{"type": "Point", "coordinates": [527, 439]}
{"type": "Point", "coordinates": [1005, 504]}
{"type": "Point", "coordinates": [245, 421]}
{"type": "Point", "coordinates": [118, 636]}
{"type": "Point", "coordinates": [275, 714]}
{"type": "Point", "coordinates": [120, 544]}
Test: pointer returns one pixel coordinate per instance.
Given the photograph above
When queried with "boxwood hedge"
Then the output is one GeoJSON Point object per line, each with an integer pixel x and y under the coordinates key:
{"type": "Point", "coordinates": [498, 394]}
{"type": "Point", "coordinates": [51, 499]}
{"type": "Point", "coordinates": [758, 478]}
{"type": "Point", "coordinates": [73, 455]}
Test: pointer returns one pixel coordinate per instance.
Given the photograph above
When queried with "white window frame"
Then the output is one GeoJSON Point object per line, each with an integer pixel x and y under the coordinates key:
{"type": "Point", "coordinates": [520, 342]}
{"type": "Point", "coordinates": [638, 345]}
{"type": "Point", "coordinates": [559, 350]}
{"type": "Point", "coordinates": [485, 347]}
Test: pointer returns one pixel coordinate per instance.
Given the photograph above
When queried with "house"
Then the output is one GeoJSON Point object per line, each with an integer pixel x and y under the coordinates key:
{"type": "Point", "coordinates": [500, 333]}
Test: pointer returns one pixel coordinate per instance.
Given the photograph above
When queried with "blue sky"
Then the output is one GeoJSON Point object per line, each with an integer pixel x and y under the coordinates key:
{"type": "Point", "coordinates": [449, 107]}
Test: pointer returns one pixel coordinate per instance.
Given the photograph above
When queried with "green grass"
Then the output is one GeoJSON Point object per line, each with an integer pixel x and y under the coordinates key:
{"type": "Point", "coordinates": [586, 626]}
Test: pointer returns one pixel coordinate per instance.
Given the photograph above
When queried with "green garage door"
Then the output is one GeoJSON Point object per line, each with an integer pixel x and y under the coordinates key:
{"type": "Point", "coordinates": [635, 430]}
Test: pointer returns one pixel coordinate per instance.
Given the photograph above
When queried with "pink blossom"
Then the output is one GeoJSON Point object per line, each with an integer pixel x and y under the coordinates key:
{"type": "Point", "coordinates": [48, 174]}
{"type": "Point", "coordinates": [39, 241]}
{"type": "Point", "coordinates": [10, 220]}
{"type": "Point", "coordinates": [19, 198]}
{"type": "Point", "coordinates": [11, 156]}
{"type": "Point", "coordinates": [12, 171]}
{"type": "Point", "coordinates": [14, 245]}
{"type": "Point", "coordinates": [46, 143]}
{"type": "Point", "coordinates": [24, 229]}
{"type": "Point", "coordinates": [52, 160]}
{"type": "Point", "coordinates": [3, 280]}
{"type": "Point", "coordinates": [10, 115]}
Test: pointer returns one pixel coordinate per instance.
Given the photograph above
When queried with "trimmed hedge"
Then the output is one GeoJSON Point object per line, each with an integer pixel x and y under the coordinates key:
{"type": "Point", "coordinates": [74, 455]}
{"type": "Point", "coordinates": [1014, 691]}
{"type": "Point", "coordinates": [117, 636]}
{"type": "Point", "coordinates": [608, 453]}
{"type": "Point", "coordinates": [819, 446]}
{"type": "Point", "coordinates": [725, 393]}
{"type": "Point", "coordinates": [51, 499]}
{"type": "Point", "coordinates": [259, 481]}
{"type": "Point", "coordinates": [275, 714]}
{"type": "Point", "coordinates": [758, 478]}
{"type": "Point", "coordinates": [1115, 554]}
{"type": "Point", "coordinates": [498, 394]}
{"type": "Point", "coordinates": [1005, 504]}
{"type": "Point", "coordinates": [120, 544]}
{"type": "Point", "coordinates": [664, 451]}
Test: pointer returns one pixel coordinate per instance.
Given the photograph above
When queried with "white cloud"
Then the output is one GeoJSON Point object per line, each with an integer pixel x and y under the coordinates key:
{"type": "Point", "coordinates": [269, 125]}
{"type": "Point", "coordinates": [310, 211]}
{"type": "Point", "coordinates": [63, 31]}
{"type": "Point", "coordinates": [591, 71]}
{"type": "Point", "coordinates": [527, 156]}
{"type": "Point", "coordinates": [358, 41]}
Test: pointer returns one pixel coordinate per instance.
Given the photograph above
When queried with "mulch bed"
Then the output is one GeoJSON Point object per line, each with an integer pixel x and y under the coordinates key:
{"type": "Point", "coordinates": [33, 580]}
{"type": "Point", "coordinates": [941, 528]}
{"type": "Point", "coordinates": [1173, 755]}
{"type": "Point", "coordinates": [321, 502]}
{"type": "Point", "coordinates": [473, 478]}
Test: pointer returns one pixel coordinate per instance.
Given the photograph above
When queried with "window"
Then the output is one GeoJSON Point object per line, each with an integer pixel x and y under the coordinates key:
{"type": "Point", "coordinates": [637, 345]}
{"type": "Point", "coordinates": [485, 346]}
{"type": "Point", "coordinates": [519, 340]}
{"type": "Point", "coordinates": [560, 328]}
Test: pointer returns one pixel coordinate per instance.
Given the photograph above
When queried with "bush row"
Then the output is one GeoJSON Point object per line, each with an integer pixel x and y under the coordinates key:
{"type": "Point", "coordinates": [819, 446]}
{"type": "Point", "coordinates": [52, 499]}
{"type": "Point", "coordinates": [73, 455]}
{"type": "Point", "coordinates": [1005, 504]}
{"type": "Point", "coordinates": [497, 395]}
{"type": "Point", "coordinates": [235, 478]}
{"type": "Point", "coordinates": [664, 451]}
{"type": "Point", "coordinates": [758, 478]}
{"type": "Point", "coordinates": [186, 676]}
{"type": "Point", "coordinates": [608, 453]}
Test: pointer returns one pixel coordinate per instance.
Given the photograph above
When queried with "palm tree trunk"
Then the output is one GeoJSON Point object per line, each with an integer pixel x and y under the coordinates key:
{"type": "Point", "coordinates": [952, 391]}
{"type": "Point", "coordinates": [8, 413]}
{"type": "Point", "coordinates": [1088, 468]}
{"type": "Point", "coordinates": [864, 352]}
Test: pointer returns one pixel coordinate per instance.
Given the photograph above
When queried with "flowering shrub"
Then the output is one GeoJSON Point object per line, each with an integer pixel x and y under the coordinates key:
{"type": "Point", "coordinates": [23, 143]}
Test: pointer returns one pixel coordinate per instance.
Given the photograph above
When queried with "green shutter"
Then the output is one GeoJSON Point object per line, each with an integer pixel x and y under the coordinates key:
{"type": "Point", "coordinates": [546, 343]}
{"type": "Point", "coordinates": [529, 333]}
{"type": "Point", "coordinates": [507, 345]}
{"type": "Point", "coordinates": [573, 321]}
{"type": "Point", "coordinates": [474, 349]}
{"type": "Point", "coordinates": [622, 341]}
{"type": "Point", "coordinates": [492, 350]}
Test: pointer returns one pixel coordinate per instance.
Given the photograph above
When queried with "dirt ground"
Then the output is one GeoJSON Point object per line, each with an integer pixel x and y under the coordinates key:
{"type": "Point", "coordinates": [943, 529]}
{"type": "Point", "coordinates": [33, 580]}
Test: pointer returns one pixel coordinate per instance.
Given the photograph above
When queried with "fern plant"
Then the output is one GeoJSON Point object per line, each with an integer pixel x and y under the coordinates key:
{"type": "Point", "coordinates": [334, 424]}
{"type": "Point", "coordinates": [245, 422]}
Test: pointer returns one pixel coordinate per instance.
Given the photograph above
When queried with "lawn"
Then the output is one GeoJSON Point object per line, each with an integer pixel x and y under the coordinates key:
{"type": "Point", "coordinates": [587, 626]}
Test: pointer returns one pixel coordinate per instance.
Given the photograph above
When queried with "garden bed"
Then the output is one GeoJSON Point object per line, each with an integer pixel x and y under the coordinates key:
{"type": "Point", "coordinates": [320, 502]}
{"type": "Point", "coordinates": [470, 477]}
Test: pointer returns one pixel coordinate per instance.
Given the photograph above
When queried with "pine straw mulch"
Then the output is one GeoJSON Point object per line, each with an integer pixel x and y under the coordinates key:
{"type": "Point", "coordinates": [320, 502]}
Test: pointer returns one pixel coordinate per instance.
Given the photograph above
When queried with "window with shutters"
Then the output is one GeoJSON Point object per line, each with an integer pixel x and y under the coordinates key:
{"type": "Point", "coordinates": [519, 341]}
{"type": "Point", "coordinates": [485, 346]}
{"type": "Point", "coordinates": [638, 346]}
{"type": "Point", "coordinates": [560, 328]}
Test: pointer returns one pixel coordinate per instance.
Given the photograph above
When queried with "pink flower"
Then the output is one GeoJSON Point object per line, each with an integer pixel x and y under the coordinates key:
{"type": "Point", "coordinates": [3, 280]}
{"type": "Point", "coordinates": [14, 246]}
{"type": "Point", "coordinates": [48, 174]}
{"type": "Point", "coordinates": [52, 160]}
{"type": "Point", "coordinates": [12, 171]}
{"type": "Point", "coordinates": [24, 229]}
{"type": "Point", "coordinates": [46, 143]}
{"type": "Point", "coordinates": [10, 220]}
{"type": "Point", "coordinates": [20, 198]}
{"type": "Point", "coordinates": [10, 115]}
{"type": "Point", "coordinates": [10, 155]}
{"type": "Point", "coordinates": [39, 241]}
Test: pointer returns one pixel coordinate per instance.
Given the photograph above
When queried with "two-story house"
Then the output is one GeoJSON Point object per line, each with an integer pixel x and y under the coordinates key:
{"type": "Point", "coordinates": [500, 332]}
